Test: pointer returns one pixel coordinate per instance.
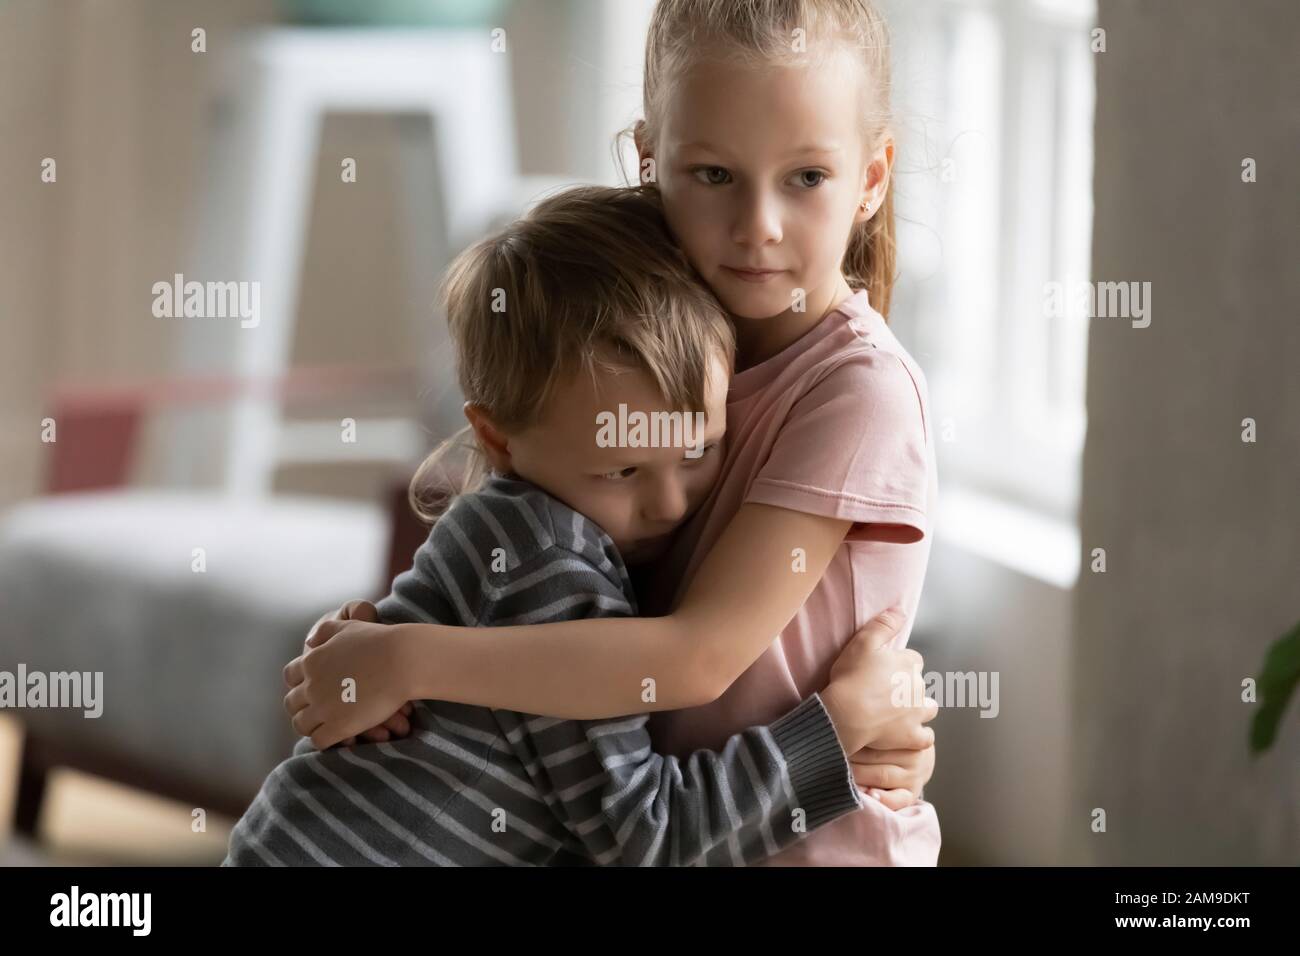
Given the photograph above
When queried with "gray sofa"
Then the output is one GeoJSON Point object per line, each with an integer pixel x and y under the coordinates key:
{"type": "Point", "coordinates": [191, 660]}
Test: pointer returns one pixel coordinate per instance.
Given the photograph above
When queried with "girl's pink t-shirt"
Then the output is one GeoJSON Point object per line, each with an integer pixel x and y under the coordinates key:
{"type": "Point", "coordinates": [837, 424]}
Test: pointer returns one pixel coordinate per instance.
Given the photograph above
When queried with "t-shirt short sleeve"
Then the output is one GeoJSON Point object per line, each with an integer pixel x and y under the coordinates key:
{"type": "Point", "coordinates": [854, 447]}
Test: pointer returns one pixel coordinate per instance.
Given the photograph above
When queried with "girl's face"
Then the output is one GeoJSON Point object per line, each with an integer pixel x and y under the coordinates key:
{"type": "Point", "coordinates": [762, 170]}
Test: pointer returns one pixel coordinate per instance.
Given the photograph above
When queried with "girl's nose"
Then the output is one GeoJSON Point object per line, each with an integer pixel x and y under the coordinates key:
{"type": "Point", "coordinates": [759, 220]}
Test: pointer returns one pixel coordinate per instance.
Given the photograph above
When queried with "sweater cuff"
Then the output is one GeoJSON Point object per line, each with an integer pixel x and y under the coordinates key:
{"type": "Point", "coordinates": [819, 770]}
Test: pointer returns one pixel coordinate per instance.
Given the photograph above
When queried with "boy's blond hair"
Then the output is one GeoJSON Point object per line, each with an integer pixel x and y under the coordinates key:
{"type": "Point", "coordinates": [589, 277]}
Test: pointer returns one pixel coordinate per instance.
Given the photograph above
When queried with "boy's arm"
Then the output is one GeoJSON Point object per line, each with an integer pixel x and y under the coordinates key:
{"type": "Point", "coordinates": [766, 788]}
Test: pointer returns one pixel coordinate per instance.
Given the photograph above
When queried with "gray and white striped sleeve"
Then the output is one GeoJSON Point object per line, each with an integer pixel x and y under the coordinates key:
{"type": "Point", "coordinates": [630, 805]}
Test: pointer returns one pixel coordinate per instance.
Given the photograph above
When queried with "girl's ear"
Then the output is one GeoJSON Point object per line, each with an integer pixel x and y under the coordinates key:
{"type": "Point", "coordinates": [875, 181]}
{"type": "Point", "coordinates": [491, 439]}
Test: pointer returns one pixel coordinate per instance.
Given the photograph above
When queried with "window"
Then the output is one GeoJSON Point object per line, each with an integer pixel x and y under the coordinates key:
{"type": "Point", "coordinates": [994, 177]}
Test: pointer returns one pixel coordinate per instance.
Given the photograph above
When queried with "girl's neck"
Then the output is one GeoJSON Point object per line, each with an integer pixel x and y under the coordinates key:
{"type": "Point", "coordinates": [757, 340]}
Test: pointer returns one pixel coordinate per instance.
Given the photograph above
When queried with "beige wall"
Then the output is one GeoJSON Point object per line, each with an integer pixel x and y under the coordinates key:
{"type": "Point", "coordinates": [113, 93]}
{"type": "Point", "coordinates": [1201, 531]}
{"type": "Point", "coordinates": [110, 91]}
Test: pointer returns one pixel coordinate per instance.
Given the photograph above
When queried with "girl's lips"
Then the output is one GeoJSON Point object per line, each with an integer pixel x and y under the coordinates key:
{"type": "Point", "coordinates": [754, 275]}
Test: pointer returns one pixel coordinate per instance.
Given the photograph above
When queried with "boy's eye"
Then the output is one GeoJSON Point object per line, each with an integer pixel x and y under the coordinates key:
{"type": "Point", "coordinates": [707, 448]}
{"type": "Point", "coordinates": [803, 178]}
{"type": "Point", "coordinates": [620, 475]}
{"type": "Point", "coordinates": [712, 175]}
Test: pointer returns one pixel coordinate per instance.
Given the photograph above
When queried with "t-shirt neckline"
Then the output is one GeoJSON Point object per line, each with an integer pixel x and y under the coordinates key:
{"type": "Point", "coordinates": [744, 384]}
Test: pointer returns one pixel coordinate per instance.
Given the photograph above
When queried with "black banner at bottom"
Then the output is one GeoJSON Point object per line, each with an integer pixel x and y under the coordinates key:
{"type": "Point", "coordinates": [207, 906]}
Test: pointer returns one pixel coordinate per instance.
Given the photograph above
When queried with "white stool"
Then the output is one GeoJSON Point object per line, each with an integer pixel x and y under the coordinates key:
{"type": "Point", "coordinates": [279, 84]}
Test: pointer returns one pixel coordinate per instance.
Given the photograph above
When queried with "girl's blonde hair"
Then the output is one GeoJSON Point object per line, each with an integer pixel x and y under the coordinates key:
{"type": "Point", "coordinates": [590, 277]}
{"type": "Point", "coordinates": [682, 32]}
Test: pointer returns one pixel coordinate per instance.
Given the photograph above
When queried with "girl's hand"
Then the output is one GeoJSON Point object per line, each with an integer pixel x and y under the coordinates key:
{"type": "Point", "coordinates": [876, 694]}
{"type": "Point", "coordinates": [394, 728]}
{"type": "Point", "coordinates": [346, 683]}
{"type": "Point", "coordinates": [894, 777]}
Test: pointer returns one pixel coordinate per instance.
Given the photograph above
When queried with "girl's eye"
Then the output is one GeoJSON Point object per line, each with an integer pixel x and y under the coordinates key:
{"type": "Point", "coordinates": [803, 178]}
{"type": "Point", "coordinates": [712, 175]}
{"type": "Point", "coordinates": [619, 475]}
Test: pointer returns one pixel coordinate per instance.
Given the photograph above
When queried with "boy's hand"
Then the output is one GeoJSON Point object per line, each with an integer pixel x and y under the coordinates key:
{"type": "Point", "coordinates": [352, 611]}
{"type": "Point", "coordinates": [894, 777]}
{"type": "Point", "coordinates": [876, 694]}
{"type": "Point", "coordinates": [396, 726]}
{"type": "Point", "coordinates": [346, 683]}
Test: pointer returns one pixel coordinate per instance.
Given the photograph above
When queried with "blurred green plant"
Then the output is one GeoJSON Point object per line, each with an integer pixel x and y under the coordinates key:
{"type": "Point", "coordinates": [1277, 683]}
{"type": "Point", "coordinates": [395, 13]}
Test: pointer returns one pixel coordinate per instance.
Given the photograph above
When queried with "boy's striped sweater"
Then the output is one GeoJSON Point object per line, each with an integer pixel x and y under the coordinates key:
{"type": "Point", "coordinates": [475, 786]}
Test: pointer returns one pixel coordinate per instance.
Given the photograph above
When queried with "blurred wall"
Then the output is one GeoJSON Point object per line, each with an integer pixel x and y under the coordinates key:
{"type": "Point", "coordinates": [81, 83]}
{"type": "Point", "coordinates": [114, 94]}
{"type": "Point", "coordinates": [1000, 782]}
{"type": "Point", "coordinates": [1201, 531]}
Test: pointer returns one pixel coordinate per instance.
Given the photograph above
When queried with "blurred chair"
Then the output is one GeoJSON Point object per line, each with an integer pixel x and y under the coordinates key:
{"type": "Point", "coordinates": [275, 88]}
{"type": "Point", "coordinates": [99, 578]}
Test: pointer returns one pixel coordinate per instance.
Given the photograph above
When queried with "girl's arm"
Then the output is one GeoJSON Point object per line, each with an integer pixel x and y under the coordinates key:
{"type": "Point", "coordinates": [746, 591]}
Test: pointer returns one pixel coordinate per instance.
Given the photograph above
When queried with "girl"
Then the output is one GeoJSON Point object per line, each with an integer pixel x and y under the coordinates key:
{"type": "Point", "coordinates": [766, 134]}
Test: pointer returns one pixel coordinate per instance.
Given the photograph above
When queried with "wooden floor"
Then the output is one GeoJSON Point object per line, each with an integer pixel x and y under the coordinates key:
{"type": "Point", "coordinates": [86, 820]}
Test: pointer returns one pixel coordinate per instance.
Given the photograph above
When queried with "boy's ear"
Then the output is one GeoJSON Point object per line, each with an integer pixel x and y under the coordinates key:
{"type": "Point", "coordinates": [643, 153]}
{"type": "Point", "coordinates": [490, 438]}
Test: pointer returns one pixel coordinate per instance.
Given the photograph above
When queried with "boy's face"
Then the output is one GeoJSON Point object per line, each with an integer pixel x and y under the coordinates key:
{"type": "Point", "coordinates": [638, 495]}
